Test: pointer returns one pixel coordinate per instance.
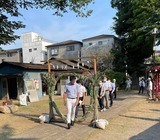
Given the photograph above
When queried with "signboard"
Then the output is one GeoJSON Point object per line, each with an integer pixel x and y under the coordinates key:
{"type": "Point", "coordinates": [23, 99]}
{"type": "Point", "coordinates": [31, 90]}
{"type": "Point", "coordinates": [29, 85]}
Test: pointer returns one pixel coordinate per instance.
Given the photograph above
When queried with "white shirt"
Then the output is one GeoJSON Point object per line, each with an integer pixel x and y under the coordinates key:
{"type": "Point", "coordinates": [82, 90]}
{"type": "Point", "coordinates": [150, 85]}
{"type": "Point", "coordinates": [142, 83]}
{"type": "Point", "coordinates": [106, 85]}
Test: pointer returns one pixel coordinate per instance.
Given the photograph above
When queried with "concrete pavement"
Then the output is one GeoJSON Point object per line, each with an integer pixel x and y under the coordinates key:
{"type": "Point", "coordinates": [58, 131]}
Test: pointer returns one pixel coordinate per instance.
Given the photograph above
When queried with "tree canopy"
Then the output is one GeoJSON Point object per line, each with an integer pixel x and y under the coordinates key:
{"type": "Point", "coordinates": [133, 23]}
{"type": "Point", "coordinates": [11, 8]}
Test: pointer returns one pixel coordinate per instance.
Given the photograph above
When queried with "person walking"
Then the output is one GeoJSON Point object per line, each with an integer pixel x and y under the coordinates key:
{"type": "Point", "coordinates": [101, 93]}
{"type": "Point", "coordinates": [107, 87]}
{"type": "Point", "coordinates": [81, 98]}
{"type": "Point", "coordinates": [115, 89]}
{"type": "Point", "coordinates": [71, 96]}
{"type": "Point", "coordinates": [111, 91]}
{"type": "Point", "coordinates": [128, 84]}
{"type": "Point", "coordinates": [149, 88]}
{"type": "Point", "coordinates": [141, 85]}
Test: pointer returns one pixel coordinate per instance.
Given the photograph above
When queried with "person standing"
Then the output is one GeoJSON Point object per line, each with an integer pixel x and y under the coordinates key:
{"type": "Point", "coordinates": [71, 96]}
{"type": "Point", "coordinates": [149, 88]}
{"type": "Point", "coordinates": [81, 98]}
{"type": "Point", "coordinates": [141, 85]}
{"type": "Point", "coordinates": [107, 87]}
{"type": "Point", "coordinates": [101, 92]}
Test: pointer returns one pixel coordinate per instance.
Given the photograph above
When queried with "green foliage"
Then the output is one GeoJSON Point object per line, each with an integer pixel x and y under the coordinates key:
{"type": "Point", "coordinates": [133, 24]}
{"type": "Point", "coordinates": [11, 8]}
{"type": "Point", "coordinates": [93, 81]}
{"type": "Point", "coordinates": [115, 75]}
{"type": "Point", "coordinates": [105, 62]}
{"type": "Point", "coordinates": [157, 59]}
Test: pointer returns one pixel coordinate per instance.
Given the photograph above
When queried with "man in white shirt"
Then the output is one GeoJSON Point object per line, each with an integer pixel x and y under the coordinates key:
{"type": "Point", "coordinates": [150, 88]}
{"type": "Point", "coordinates": [81, 98]}
{"type": "Point", "coordinates": [71, 96]}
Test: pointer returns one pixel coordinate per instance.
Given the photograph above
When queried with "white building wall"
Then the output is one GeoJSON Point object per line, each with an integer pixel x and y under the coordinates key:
{"type": "Point", "coordinates": [63, 53]}
{"type": "Point", "coordinates": [105, 41]}
{"type": "Point", "coordinates": [34, 50]}
{"type": "Point", "coordinates": [92, 47]}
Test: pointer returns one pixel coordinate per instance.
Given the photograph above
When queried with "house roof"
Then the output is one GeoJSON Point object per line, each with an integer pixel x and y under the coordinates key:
{"type": "Point", "coordinates": [29, 66]}
{"type": "Point", "coordinates": [25, 65]}
{"type": "Point", "coordinates": [98, 37]}
{"type": "Point", "coordinates": [68, 42]}
{"type": "Point", "coordinates": [71, 63]}
{"type": "Point", "coordinates": [10, 51]}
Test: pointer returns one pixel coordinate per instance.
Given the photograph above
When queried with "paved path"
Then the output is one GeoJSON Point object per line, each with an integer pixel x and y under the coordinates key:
{"type": "Point", "coordinates": [58, 131]}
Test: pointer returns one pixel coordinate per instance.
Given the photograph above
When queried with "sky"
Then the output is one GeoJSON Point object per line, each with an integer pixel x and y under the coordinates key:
{"type": "Point", "coordinates": [68, 27]}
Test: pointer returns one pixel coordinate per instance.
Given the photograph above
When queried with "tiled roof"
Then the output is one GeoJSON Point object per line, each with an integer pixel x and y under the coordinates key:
{"type": "Point", "coordinates": [98, 37]}
{"type": "Point", "coordinates": [10, 51]}
{"type": "Point", "coordinates": [68, 42]}
{"type": "Point", "coordinates": [26, 65]}
{"type": "Point", "coordinates": [39, 67]}
{"type": "Point", "coordinates": [73, 63]}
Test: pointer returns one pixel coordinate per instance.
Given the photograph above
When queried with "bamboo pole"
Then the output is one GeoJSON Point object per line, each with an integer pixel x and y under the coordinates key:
{"type": "Point", "coordinates": [49, 66]}
{"type": "Point", "coordinates": [95, 65]}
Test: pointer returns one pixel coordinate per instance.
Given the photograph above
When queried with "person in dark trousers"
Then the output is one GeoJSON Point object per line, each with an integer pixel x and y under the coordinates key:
{"type": "Point", "coordinates": [81, 98]}
{"type": "Point", "coordinates": [115, 91]}
{"type": "Point", "coordinates": [101, 93]}
{"type": "Point", "coordinates": [112, 89]}
{"type": "Point", "coordinates": [141, 85]}
{"type": "Point", "coordinates": [71, 97]}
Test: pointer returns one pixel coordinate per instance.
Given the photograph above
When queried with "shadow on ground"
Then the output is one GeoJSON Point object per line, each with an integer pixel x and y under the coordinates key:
{"type": "Point", "coordinates": [140, 118]}
{"type": "Point", "coordinates": [6, 132]}
{"type": "Point", "coordinates": [151, 133]}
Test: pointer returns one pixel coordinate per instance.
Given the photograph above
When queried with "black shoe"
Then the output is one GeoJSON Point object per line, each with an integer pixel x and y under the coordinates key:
{"type": "Point", "coordinates": [72, 123]}
{"type": "Point", "coordinates": [69, 125]}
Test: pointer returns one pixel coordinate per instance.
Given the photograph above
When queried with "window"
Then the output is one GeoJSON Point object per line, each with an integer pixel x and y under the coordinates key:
{"type": "Point", "coordinates": [9, 54]}
{"type": "Point", "coordinates": [30, 50]}
{"type": "Point", "coordinates": [100, 42]}
{"type": "Point", "coordinates": [70, 48]}
{"type": "Point", "coordinates": [54, 51]}
{"type": "Point", "coordinates": [90, 44]}
{"type": "Point", "coordinates": [35, 49]}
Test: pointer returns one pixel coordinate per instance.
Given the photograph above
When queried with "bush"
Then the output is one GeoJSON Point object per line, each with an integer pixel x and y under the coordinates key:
{"type": "Point", "coordinates": [119, 76]}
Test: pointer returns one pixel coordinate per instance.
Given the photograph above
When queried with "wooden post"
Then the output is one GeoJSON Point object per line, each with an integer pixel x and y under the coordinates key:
{"type": "Point", "coordinates": [49, 66]}
{"type": "Point", "coordinates": [95, 65]}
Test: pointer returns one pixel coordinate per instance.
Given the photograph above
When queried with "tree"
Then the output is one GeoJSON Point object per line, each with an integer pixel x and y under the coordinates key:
{"type": "Point", "coordinates": [134, 21]}
{"type": "Point", "coordinates": [11, 8]}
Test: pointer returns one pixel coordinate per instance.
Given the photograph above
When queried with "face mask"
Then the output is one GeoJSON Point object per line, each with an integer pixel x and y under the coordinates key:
{"type": "Point", "coordinates": [100, 84]}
